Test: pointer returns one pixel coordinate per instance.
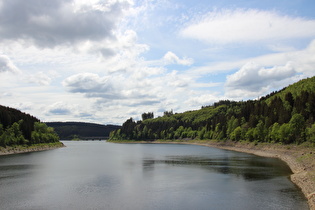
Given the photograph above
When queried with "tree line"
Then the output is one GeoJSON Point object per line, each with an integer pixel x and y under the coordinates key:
{"type": "Point", "coordinates": [18, 128]}
{"type": "Point", "coordinates": [285, 116]}
{"type": "Point", "coordinates": [81, 130]}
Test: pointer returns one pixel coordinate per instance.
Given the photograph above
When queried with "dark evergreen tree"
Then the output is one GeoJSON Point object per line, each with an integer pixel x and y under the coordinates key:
{"type": "Point", "coordinates": [148, 115]}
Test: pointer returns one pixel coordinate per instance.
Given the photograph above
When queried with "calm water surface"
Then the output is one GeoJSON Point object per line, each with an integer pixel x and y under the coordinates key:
{"type": "Point", "coordinates": [100, 175]}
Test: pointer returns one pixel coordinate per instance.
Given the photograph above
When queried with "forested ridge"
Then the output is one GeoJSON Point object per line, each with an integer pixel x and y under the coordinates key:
{"type": "Point", "coordinates": [285, 116]}
{"type": "Point", "coordinates": [19, 128]}
{"type": "Point", "coordinates": [82, 130]}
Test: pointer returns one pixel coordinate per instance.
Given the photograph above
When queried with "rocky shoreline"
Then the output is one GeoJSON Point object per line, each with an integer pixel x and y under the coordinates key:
{"type": "Point", "coordinates": [301, 159]}
{"type": "Point", "coordinates": [33, 148]}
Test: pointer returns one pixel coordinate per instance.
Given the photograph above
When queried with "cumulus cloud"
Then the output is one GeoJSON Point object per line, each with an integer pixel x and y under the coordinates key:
{"type": "Point", "coordinates": [6, 65]}
{"type": "Point", "coordinates": [172, 58]}
{"type": "Point", "coordinates": [92, 85]}
{"type": "Point", "coordinates": [48, 24]}
{"type": "Point", "coordinates": [114, 87]}
{"type": "Point", "coordinates": [305, 60]}
{"type": "Point", "coordinates": [59, 108]}
{"type": "Point", "coordinates": [252, 79]}
{"type": "Point", "coordinates": [125, 46]}
{"type": "Point", "coordinates": [231, 26]}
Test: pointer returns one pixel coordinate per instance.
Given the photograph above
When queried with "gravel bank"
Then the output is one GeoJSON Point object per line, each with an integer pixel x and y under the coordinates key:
{"type": "Point", "coordinates": [32, 148]}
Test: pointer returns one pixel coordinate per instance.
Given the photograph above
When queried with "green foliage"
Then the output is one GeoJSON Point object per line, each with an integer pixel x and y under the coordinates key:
{"type": "Point", "coordinates": [43, 134]}
{"type": "Point", "coordinates": [9, 116]}
{"type": "Point", "coordinates": [12, 135]}
{"type": "Point", "coordinates": [286, 116]}
{"type": "Point", "coordinates": [285, 133]}
{"type": "Point", "coordinates": [310, 133]}
{"type": "Point", "coordinates": [236, 134]}
{"type": "Point", "coordinates": [275, 132]}
{"type": "Point", "coordinates": [249, 136]}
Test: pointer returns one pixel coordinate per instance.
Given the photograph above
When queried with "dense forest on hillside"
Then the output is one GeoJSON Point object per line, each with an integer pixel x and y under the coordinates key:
{"type": "Point", "coordinates": [18, 128]}
{"type": "Point", "coordinates": [82, 130]}
{"type": "Point", "coordinates": [286, 116]}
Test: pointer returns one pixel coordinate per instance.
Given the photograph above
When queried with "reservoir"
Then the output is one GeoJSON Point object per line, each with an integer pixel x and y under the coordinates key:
{"type": "Point", "coordinates": [101, 175]}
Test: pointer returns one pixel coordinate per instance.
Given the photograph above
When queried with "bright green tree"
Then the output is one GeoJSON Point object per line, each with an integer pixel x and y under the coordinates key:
{"type": "Point", "coordinates": [43, 134]}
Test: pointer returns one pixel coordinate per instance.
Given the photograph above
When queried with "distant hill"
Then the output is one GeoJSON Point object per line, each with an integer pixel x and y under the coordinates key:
{"type": "Point", "coordinates": [82, 130]}
{"type": "Point", "coordinates": [285, 116]}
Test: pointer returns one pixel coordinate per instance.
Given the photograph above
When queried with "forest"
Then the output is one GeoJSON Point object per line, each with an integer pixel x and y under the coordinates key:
{"type": "Point", "coordinates": [18, 128]}
{"type": "Point", "coordinates": [286, 116]}
{"type": "Point", "coordinates": [82, 130]}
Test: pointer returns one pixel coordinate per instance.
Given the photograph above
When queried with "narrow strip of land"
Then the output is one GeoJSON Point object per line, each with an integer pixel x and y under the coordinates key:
{"type": "Point", "coordinates": [33, 148]}
{"type": "Point", "coordinates": [301, 159]}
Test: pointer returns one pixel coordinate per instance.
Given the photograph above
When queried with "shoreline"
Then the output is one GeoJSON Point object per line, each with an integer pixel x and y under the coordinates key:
{"type": "Point", "coordinates": [300, 159]}
{"type": "Point", "coordinates": [18, 149]}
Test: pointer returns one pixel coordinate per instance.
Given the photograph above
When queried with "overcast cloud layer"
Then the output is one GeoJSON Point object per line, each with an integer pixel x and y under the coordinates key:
{"type": "Point", "coordinates": [105, 61]}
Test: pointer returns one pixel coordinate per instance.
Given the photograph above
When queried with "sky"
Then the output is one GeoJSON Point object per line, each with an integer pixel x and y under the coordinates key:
{"type": "Point", "coordinates": [104, 61]}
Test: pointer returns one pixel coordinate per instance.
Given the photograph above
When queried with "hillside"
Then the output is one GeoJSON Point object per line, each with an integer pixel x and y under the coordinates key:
{"type": "Point", "coordinates": [296, 89]}
{"type": "Point", "coordinates": [286, 116]}
{"type": "Point", "coordinates": [19, 128]}
{"type": "Point", "coordinates": [82, 130]}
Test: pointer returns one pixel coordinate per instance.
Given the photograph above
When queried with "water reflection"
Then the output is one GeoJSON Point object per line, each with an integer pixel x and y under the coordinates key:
{"type": "Point", "coordinates": [249, 168]}
{"type": "Point", "coordinates": [98, 175]}
{"type": "Point", "coordinates": [15, 171]}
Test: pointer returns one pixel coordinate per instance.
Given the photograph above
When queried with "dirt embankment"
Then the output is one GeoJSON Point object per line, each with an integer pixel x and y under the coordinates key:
{"type": "Point", "coordinates": [33, 148]}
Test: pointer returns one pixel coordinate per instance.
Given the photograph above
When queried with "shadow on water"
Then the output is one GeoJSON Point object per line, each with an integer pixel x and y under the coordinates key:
{"type": "Point", "coordinates": [249, 168]}
{"type": "Point", "coordinates": [16, 171]}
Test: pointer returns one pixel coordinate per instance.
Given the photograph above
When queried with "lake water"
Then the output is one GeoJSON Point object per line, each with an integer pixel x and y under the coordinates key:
{"type": "Point", "coordinates": [101, 175]}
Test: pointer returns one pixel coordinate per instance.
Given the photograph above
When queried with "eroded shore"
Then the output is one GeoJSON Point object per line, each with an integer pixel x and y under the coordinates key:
{"type": "Point", "coordinates": [301, 159]}
{"type": "Point", "coordinates": [32, 148]}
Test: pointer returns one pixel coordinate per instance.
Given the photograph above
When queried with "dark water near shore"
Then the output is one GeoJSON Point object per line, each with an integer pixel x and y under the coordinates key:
{"type": "Point", "coordinates": [100, 175]}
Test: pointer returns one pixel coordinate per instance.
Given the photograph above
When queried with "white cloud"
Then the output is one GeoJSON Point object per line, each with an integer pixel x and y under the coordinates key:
{"type": "Point", "coordinates": [6, 65]}
{"type": "Point", "coordinates": [277, 72]}
{"type": "Point", "coordinates": [233, 26]}
{"type": "Point", "coordinates": [204, 100]}
{"type": "Point", "coordinates": [40, 78]}
{"type": "Point", "coordinates": [252, 80]}
{"type": "Point", "coordinates": [302, 61]}
{"type": "Point", "coordinates": [174, 79]}
{"type": "Point", "coordinates": [60, 108]}
{"type": "Point", "coordinates": [109, 88]}
{"type": "Point", "coordinates": [123, 46]}
{"type": "Point", "coordinates": [92, 85]}
{"type": "Point", "coordinates": [48, 24]}
{"type": "Point", "coordinates": [172, 58]}
{"type": "Point", "coordinates": [25, 106]}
